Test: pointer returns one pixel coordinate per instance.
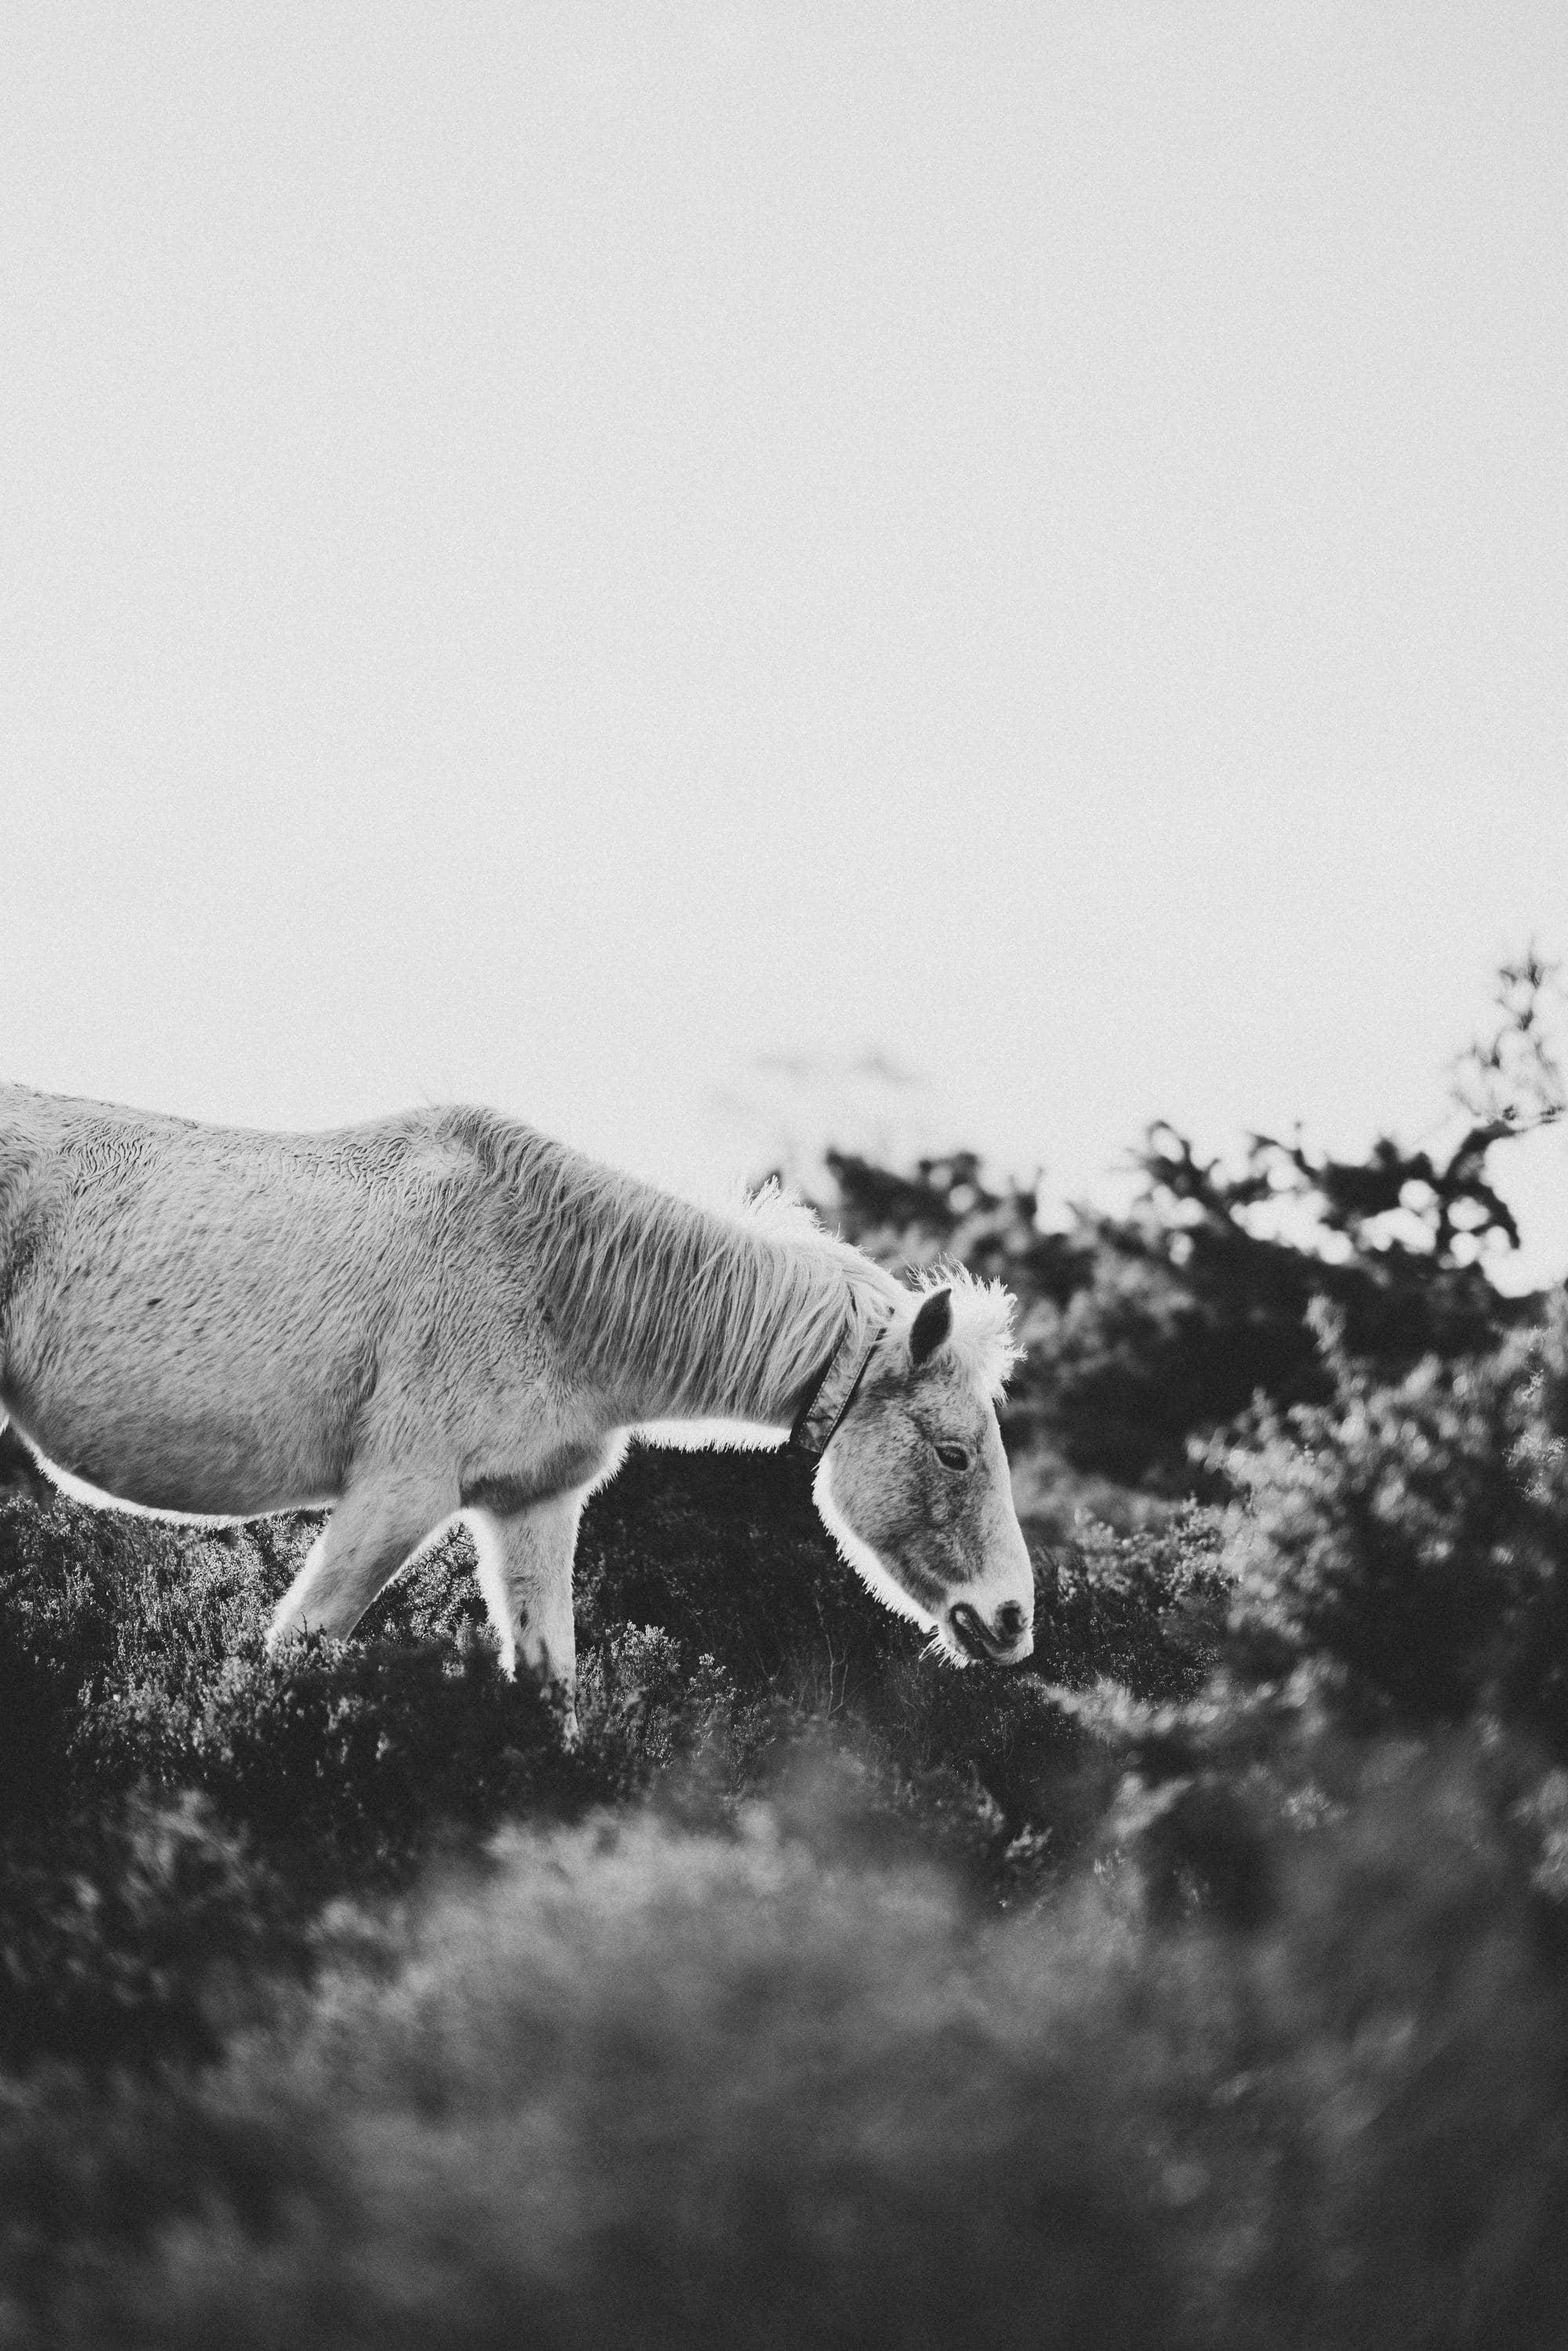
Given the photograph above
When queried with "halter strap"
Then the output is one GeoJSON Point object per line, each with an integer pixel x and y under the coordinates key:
{"type": "Point", "coordinates": [798, 1442]}
{"type": "Point", "coordinates": [814, 1388]}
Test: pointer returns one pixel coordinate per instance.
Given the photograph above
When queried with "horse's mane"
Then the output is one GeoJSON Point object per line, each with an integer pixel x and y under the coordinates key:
{"type": "Point", "coordinates": [984, 1314]}
{"type": "Point", "coordinates": [719, 1312]}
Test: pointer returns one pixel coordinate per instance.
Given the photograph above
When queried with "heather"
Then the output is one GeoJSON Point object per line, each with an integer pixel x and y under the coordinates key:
{"type": "Point", "coordinates": [1203, 1982]}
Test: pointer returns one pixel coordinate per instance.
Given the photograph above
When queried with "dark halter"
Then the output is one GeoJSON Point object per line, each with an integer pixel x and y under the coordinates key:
{"type": "Point", "coordinates": [814, 1388]}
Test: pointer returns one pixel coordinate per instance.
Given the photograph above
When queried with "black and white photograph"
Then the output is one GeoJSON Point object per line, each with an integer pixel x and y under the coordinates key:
{"type": "Point", "coordinates": [783, 1175]}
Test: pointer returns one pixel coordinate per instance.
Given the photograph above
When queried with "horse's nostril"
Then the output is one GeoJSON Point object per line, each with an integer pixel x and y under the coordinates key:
{"type": "Point", "coordinates": [978, 1639]}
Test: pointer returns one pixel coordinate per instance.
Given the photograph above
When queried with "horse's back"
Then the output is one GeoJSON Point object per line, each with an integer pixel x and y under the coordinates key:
{"type": "Point", "coordinates": [126, 1190]}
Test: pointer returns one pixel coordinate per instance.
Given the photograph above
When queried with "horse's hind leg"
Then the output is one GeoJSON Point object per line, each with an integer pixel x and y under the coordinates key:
{"type": "Point", "coordinates": [370, 1534]}
{"type": "Point", "coordinates": [525, 1574]}
{"type": "Point", "coordinates": [19, 1473]}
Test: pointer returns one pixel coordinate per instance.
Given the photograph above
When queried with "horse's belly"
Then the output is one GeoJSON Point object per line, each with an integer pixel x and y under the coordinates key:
{"type": "Point", "coordinates": [163, 1471]}
{"type": "Point", "coordinates": [190, 1438]}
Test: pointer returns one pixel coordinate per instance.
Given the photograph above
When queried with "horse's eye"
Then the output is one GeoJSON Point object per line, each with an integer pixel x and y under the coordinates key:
{"type": "Point", "coordinates": [952, 1456]}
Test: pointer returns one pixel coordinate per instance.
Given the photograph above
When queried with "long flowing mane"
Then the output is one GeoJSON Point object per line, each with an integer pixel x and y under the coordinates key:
{"type": "Point", "coordinates": [712, 1312]}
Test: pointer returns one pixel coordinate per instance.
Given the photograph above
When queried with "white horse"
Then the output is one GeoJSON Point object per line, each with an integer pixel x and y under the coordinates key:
{"type": "Point", "coordinates": [446, 1313]}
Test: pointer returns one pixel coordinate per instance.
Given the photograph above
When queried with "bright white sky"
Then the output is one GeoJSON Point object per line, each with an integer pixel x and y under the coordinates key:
{"type": "Point", "coordinates": [547, 553]}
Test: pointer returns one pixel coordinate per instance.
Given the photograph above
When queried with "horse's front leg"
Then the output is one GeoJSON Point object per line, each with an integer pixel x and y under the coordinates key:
{"type": "Point", "coordinates": [525, 1574]}
{"type": "Point", "coordinates": [379, 1523]}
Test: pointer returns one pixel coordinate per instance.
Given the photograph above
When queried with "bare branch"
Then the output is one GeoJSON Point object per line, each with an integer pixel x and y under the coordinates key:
{"type": "Point", "coordinates": [1511, 1079]}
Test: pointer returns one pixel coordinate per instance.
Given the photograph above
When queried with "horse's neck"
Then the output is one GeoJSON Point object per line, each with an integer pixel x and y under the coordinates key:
{"type": "Point", "coordinates": [763, 1316]}
{"type": "Point", "coordinates": [667, 1310]}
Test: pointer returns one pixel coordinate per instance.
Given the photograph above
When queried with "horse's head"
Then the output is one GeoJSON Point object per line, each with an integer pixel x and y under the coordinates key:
{"type": "Point", "coordinates": [914, 1482]}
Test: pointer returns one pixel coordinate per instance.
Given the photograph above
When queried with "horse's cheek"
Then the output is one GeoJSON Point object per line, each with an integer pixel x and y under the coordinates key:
{"type": "Point", "coordinates": [925, 1505]}
{"type": "Point", "coordinates": [885, 1498]}
{"type": "Point", "coordinates": [940, 1511]}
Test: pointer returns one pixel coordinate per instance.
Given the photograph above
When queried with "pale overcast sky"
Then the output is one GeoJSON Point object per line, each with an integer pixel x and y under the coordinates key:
{"type": "Point", "coordinates": [550, 552]}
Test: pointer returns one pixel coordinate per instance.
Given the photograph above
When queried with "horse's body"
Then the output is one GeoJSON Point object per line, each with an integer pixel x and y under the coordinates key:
{"type": "Point", "coordinates": [447, 1312]}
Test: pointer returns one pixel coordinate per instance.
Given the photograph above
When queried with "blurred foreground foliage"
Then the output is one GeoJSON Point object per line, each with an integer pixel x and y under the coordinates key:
{"type": "Point", "coordinates": [1203, 1983]}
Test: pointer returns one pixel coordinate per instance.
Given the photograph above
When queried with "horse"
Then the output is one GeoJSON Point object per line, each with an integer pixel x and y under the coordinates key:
{"type": "Point", "coordinates": [446, 1313]}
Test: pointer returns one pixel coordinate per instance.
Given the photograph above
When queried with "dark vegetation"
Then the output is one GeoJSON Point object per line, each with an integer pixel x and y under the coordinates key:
{"type": "Point", "coordinates": [1146, 1329]}
{"type": "Point", "coordinates": [1204, 1983]}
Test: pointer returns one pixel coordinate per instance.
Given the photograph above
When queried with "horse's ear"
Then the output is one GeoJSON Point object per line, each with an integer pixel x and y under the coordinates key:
{"type": "Point", "coordinates": [932, 1325]}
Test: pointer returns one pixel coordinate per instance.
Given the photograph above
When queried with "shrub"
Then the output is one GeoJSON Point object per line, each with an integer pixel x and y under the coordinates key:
{"type": "Point", "coordinates": [143, 1936]}
{"type": "Point", "coordinates": [725, 1651]}
{"type": "Point", "coordinates": [1413, 1537]}
{"type": "Point", "coordinates": [1156, 1328]}
{"type": "Point", "coordinates": [649, 2086]}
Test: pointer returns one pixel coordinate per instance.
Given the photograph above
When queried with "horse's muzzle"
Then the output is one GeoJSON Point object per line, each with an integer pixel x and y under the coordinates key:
{"type": "Point", "coordinates": [1001, 1642]}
